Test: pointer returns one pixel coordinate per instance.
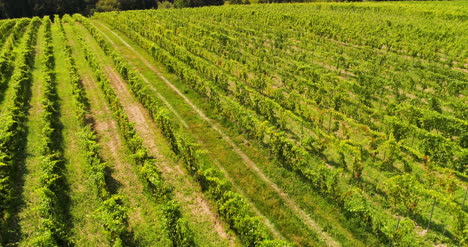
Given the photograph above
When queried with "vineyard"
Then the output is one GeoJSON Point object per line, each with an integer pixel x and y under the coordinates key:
{"type": "Point", "coordinates": [319, 124]}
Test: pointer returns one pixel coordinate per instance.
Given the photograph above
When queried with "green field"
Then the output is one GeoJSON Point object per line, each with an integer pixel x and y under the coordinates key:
{"type": "Point", "coordinates": [319, 124]}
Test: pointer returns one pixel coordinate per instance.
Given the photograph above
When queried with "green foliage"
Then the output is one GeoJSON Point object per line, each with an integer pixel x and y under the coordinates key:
{"type": "Point", "coordinates": [154, 182]}
{"type": "Point", "coordinates": [403, 190]}
{"type": "Point", "coordinates": [236, 211]}
{"type": "Point", "coordinates": [274, 243]}
{"type": "Point", "coordinates": [165, 5]}
{"type": "Point", "coordinates": [178, 229]}
{"type": "Point", "coordinates": [181, 3]}
{"type": "Point", "coordinates": [107, 5]}
{"type": "Point", "coordinates": [113, 215]}
{"type": "Point", "coordinates": [403, 236]}
{"type": "Point", "coordinates": [287, 152]}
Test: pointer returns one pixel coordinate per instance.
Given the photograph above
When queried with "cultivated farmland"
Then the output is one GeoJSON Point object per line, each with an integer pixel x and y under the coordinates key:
{"type": "Point", "coordinates": [316, 124]}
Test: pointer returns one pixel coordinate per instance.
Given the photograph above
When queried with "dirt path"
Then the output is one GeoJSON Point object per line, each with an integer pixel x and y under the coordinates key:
{"type": "Point", "coordinates": [144, 219]}
{"type": "Point", "coordinates": [125, 181]}
{"type": "Point", "coordinates": [290, 203]}
{"type": "Point", "coordinates": [145, 128]}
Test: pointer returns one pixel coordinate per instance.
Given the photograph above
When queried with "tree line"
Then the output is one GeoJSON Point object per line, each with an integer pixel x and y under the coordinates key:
{"type": "Point", "coordinates": [29, 8]}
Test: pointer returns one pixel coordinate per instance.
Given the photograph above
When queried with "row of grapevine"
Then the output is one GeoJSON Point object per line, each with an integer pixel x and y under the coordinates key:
{"type": "Point", "coordinates": [438, 145]}
{"type": "Point", "coordinates": [206, 89]}
{"type": "Point", "coordinates": [230, 205]}
{"type": "Point", "coordinates": [334, 22]}
{"type": "Point", "coordinates": [274, 56]}
{"type": "Point", "coordinates": [189, 42]}
{"type": "Point", "coordinates": [263, 60]}
{"type": "Point", "coordinates": [177, 227]}
{"type": "Point", "coordinates": [112, 211]}
{"type": "Point", "coordinates": [52, 192]}
{"type": "Point", "coordinates": [12, 129]}
{"type": "Point", "coordinates": [444, 159]}
{"type": "Point", "coordinates": [285, 151]}
{"type": "Point", "coordinates": [430, 120]}
{"type": "Point", "coordinates": [336, 115]}
{"type": "Point", "coordinates": [8, 54]}
{"type": "Point", "coordinates": [5, 27]}
{"type": "Point", "coordinates": [431, 141]}
{"type": "Point", "coordinates": [281, 114]}
{"type": "Point", "coordinates": [429, 137]}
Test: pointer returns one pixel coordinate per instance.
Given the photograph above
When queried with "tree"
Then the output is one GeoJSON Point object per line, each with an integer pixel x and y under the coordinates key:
{"type": "Point", "coordinates": [131, 4]}
{"type": "Point", "coordinates": [28, 8]}
{"type": "Point", "coordinates": [3, 9]}
{"type": "Point", "coordinates": [165, 5]}
{"type": "Point", "coordinates": [181, 4]}
{"type": "Point", "coordinates": [15, 9]}
{"type": "Point", "coordinates": [107, 5]}
{"type": "Point", "coordinates": [196, 3]}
